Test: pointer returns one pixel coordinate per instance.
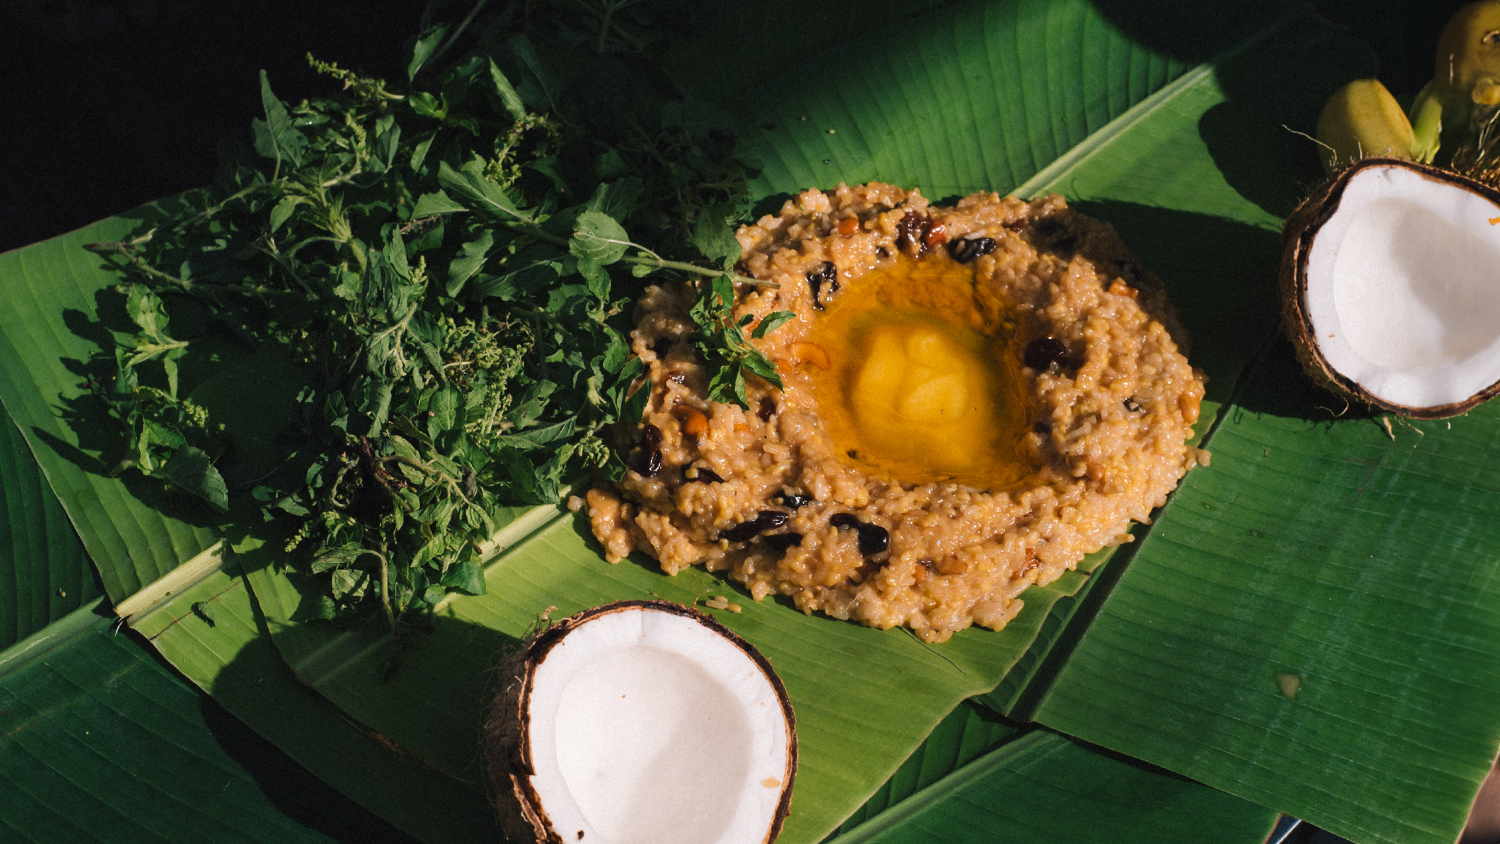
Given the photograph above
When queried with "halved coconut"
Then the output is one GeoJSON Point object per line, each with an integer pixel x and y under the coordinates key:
{"type": "Point", "coordinates": [1390, 281]}
{"type": "Point", "coordinates": [641, 722]}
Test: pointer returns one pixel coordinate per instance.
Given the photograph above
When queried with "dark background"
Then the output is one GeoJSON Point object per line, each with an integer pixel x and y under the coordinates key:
{"type": "Point", "coordinates": [109, 104]}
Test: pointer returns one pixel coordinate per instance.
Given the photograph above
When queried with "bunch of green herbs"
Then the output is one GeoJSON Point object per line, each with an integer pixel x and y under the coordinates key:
{"type": "Point", "coordinates": [406, 307]}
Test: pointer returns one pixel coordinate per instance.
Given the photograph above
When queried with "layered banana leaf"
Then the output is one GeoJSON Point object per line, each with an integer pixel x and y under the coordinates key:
{"type": "Point", "coordinates": [1305, 627]}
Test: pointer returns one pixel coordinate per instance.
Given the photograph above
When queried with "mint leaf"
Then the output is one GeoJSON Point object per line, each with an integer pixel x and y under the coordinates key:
{"type": "Point", "coordinates": [192, 471]}
{"type": "Point", "coordinates": [508, 96]}
{"type": "Point", "coordinates": [275, 137]}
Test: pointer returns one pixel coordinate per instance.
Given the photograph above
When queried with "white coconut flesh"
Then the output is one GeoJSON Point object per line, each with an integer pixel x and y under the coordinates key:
{"type": "Point", "coordinates": [1403, 288]}
{"type": "Point", "coordinates": [648, 727]}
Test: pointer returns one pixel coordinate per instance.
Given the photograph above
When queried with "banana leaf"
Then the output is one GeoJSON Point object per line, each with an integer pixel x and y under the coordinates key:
{"type": "Point", "coordinates": [44, 573]}
{"type": "Point", "coordinates": [1166, 122]}
{"type": "Point", "coordinates": [102, 743]}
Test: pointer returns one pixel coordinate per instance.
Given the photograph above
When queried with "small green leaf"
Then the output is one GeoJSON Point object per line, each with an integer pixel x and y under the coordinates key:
{"type": "Point", "coordinates": [437, 202]}
{"type": "Point", "coordinates": [428, 105]}
{"type": "Point", "coordinates": [466, 577]}
{"type": "Point", "coordinates": [596, 277]}
{"type": "Point", "coordinates": [599, 237]}
{"type": "Point", "coordinates": [483, 193]}
{"type": "Point", "coordinates": [508, 96]}
{"type": "Point", "coordinates": [276, 137]}
{"type": "Point", "coordinates": [471, 257]}
{"type": "Point", "coordinates": [427, 44]}
{"type": "Point", "coordinates": [771, 322]}
{"type": "Point", "coordinates": [713, 234]}
{"type": "Point", "coordinates": [283, 211]}
{"type": "Point", "coordinates": [192, 471]}
{"type": "Point", "coordinates": [444, 409]}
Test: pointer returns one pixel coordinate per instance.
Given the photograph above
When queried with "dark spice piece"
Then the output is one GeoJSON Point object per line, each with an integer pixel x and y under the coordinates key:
{"type": "Point", "coordinates": [647, 461]}
{"type": "Point", "coordinates": [1056, 234]}
{"type": "Point", "coordinates": [911, 233]}
{"type": "Point", "coordinates": [1044, 352]}
{"type": "Point", "coordinates": [966, 249]}
{"type": "Point", "coordinates": [782, 541]}
{"type": "Point", "coordinates": [764, 520]}
{"type": "Point", "coordinates": [826, 274]}
{"type": "Point", "coordinates": [872, 538]}
{"type": "Point", "coordinates": [793, 500]}
{"type": "Point", "coordinates": [766, 409]}
{"type": "Point", "coordinates": [701, 475]}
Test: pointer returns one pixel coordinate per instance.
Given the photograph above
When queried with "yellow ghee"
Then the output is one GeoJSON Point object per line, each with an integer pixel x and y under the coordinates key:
{"type": "Point", "coordinates": [924, 382]}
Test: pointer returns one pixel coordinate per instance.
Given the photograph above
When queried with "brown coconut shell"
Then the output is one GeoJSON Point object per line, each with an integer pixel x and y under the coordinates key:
{"type": "Point", "coordinates": [1296, 242]}
{"type": "Point", "coordinates": [506, 738]}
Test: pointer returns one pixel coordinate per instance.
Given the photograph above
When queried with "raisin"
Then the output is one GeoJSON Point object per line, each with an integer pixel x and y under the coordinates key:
{"type": "Point", "coordinates": [783, 541]}
{"type": "Point", "coordinates": [1057, 235]}
{"type": "Point", "coordinates": [1044, 352]}
{"type": "Point", "coordinates": [826, 274]}
{"type": "Point", "coordinates": [701, 475]}
{"type": "Point", "coordinates": [766, 410]}
{"type": "Point", "coordinates": [648, 460]}
{"type": "Point", "coordinates": [872, 538]}
{"type": "Point", "coordinates": [764, 520]}
{"type": "Point", "coordinates": [911, 232]}
{"type": "Point", "coordinates": [966, 249]}
{"type": "Point", "coordinates": [792, 499]}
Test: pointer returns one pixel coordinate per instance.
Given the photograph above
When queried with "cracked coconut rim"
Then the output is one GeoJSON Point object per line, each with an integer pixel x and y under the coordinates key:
{"type": "Point", "coordinates": [1391, 295]}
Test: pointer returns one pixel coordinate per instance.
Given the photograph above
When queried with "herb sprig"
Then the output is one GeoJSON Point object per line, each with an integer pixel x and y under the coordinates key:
{"type": "Point", "coordinates": [406, 307]}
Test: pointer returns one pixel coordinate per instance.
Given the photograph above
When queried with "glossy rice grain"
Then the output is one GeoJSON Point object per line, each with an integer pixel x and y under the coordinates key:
{"type": "Point", "coordinates": [764, 494]}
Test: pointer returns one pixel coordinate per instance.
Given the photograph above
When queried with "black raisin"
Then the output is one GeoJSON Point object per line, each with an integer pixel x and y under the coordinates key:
{"type": "Point", "coordinates": [793, 500]}
{"type": "Point", "coordinates": [911, 232]}
{"type": "Point", "coordinates": [1044, 352]}
{"type": "Point", "coordinates": [782, 541]}
{"type": "Point", "coordinates": [872, 538]}
{"type": "Point", "coordinates": [648, 460]}
{"type": "Point", "coordinates": [767, 409]}
{"type": "Point", "coordinates": [764, 520]}
{"type": "Point", "coordinates": [966, 249]}
{"type": "Point", "coordinates": [1057, 235]}
{"type": "Point", "coordinates": [827, 274]}
{"type": "Point", "coordinates": [701, 475]}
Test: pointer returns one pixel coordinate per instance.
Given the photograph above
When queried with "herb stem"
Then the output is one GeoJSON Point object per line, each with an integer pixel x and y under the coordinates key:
{"type": "Point", "coordinates": [651, 259]}
{"type": "Point", "coordinates": [385, 589]}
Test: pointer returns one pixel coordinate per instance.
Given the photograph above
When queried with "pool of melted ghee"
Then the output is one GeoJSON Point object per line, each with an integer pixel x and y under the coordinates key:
{"type": "Point", "coordinates": [924, 382]}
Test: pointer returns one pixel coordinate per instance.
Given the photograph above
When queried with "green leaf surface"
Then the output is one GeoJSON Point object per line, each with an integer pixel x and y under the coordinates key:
{"type": "Point", "coordinates": [1314, 624]}
{"type": "Point", "coordinates": [104, 744]}
{"type": "Point", "coordinates": [211, 630]}
{"type": "Point", "coordinates": [1044, 788]}
{"type": "Point", "coordinates": [44, 574]}
{"type": "Point", "coordinates": [53, 293]}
